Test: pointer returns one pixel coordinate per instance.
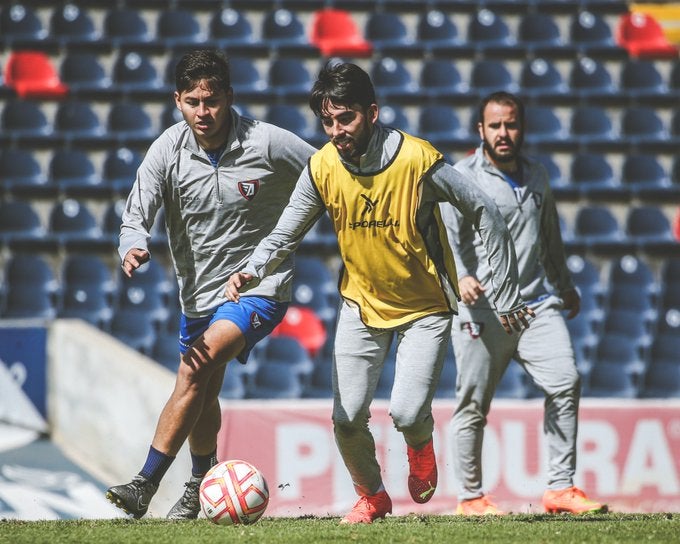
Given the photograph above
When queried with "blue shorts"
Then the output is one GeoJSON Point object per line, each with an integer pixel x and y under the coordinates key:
{"type": "Point", "coordinates": [255, 316]}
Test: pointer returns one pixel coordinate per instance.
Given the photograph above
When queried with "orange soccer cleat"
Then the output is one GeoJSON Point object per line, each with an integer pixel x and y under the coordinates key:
{"type": "Point", "coordinates": [571, 500]}
{"type": "Point", "coordinates": [422, 478]}
{"type": "Point", "coordinates": [369, 508]}
{"type": "Point", "coordinates": [481, 506]}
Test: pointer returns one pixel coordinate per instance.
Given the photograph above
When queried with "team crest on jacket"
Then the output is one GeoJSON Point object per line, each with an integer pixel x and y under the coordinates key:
{"type": "Point", "coordinates": [255, 321]}
{"type": "Point", "coordinates": [248, 189]}
{"type": "Point", "coordinates": [473, 328]}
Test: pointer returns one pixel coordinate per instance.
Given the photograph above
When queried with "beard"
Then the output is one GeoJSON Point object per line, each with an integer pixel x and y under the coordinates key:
{"type": "Point", "coordinates": [505, 157]}
{"type": "Point", "coordinates": [358, 145]}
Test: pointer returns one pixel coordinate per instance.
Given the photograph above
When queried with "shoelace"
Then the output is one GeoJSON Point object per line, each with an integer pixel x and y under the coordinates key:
{"type": "Point", "coordinates": [191, 494]}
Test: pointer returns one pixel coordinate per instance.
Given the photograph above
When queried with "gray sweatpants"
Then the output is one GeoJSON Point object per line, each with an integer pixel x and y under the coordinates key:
{"type": "Point", "coordinates": [360, 353]}
{"type": "Point", "coordinates": [483, 350]}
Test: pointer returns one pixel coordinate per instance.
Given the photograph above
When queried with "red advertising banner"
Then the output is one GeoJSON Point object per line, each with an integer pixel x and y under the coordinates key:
{"type": "Point", "coordinates": [628, 455]}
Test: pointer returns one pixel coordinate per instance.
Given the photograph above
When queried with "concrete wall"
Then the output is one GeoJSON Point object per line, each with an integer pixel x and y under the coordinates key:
{"type": "Point", "coordinates": [103, 403]}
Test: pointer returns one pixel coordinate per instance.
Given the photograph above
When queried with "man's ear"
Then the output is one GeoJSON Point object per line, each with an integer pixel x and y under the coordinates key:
{"type": "Point", "coordinates": [372, 113]}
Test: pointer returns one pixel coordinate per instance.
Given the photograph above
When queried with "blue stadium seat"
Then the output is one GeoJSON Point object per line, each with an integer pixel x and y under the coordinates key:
{"type": "Point", "coordinates": [20, 26]}
{"type": "Point", "coordinates": [20, 225]}
{"type": "Point", "coordinates": [597, 228]}
{"type": "Point", "coordinates": [620, 349]}
{"type": "Point", "coordinates": [437, 32]}
{"type": "Point", "coordinates": [395, 117]}
{"type": "Point", "coordinates": [591, 125]}
{"type": "Point", "coordinates": [392, 79]}
{"type": "Point", "coordinates": [650, 230]}
{"type": "Point", "coordinates": [592, 175]}
{"type": "Point", "coordinates": [641, 79]}
{"type": "Point", "coordinates": [285, 351]}
{"type": "Point", "coordinates": [582, 331]}
{"type": "Point", "coordinates": [292, 118]}
{"type": "Point", "coordinates": [315, 287]}
{"type": "Point", "coordinates": [165, 349]}
{"type": "Point", "coordinates": [135, 73]}
{"type": "Point", "coordinates": [664, 351]}
{"type": "Point", "coordinates": [321, 381]}
{"type": "Point", "coordinates": [591, 35]}
{"type": "Point", "coordinates": [670, 306]}
{"type": "Point", "coordinates": [126, 27]}
{"type": "Point", "coordinates": [489, 75]}
{"type": "Point", "coordinates": [543, 126]}
{"type": "Point", "coordinates": [321, 238]}
{"type": "Point", "coordinates": [539, 34]}
{"type": "Point", "coordinates": [74, 226]}
{"type": "Point", "coordinates": [441, 126]}
{"type": "Point", "coordinates": [389, 34]}
{"type": "Point", "coordinates": [84, 74]}
{"type": "Point", "coordinates": [154, 276]}
{"type": "Point", "coordinates": [647, 178]}
{"type": "Point", "coordinates": [283, 31]}
{"type": "Point", "coordinates": [88, 290]}
{"type": "Point", "coordinates": [586, 277]}
{"type": "Point", "coordinates": [643, 125]}
{"type": "Point", "coordinates": [662, 380]}
{"type": "Point", "coordinates": [31, 288]}
{"type": "Point", "coordinates": [670, 271]}
{"type": "Point", "coordinates": [120, 169]}
{"type": "Point", "coordinates": [590, 79]}
{"type": "Point", "coordinates": [111, 221]}
{"type": "Point", "coordinates": [489, 33]}
{"type": "Point", "coordinates": [512, 384]}
{"type": "Point", "coordinates": [632, 273]}
{"type": "Point", "coordinates": [72, 27]}
{"type": "Point", "coordinates": [246, 79]}
{"type": "Point", "coordinates": [540, 78]}
{"type": "Point", "coordinates": [73, 173]}
{"type": "Point", "coordinates": [610, 380]}
{"type": "Point", "coordinates": [134, 329]}
{"type": "Point", "coordinates": [440, 78]}
{"type": "Point", "coordinates": [77, 124]}
{"type": "Point", "coordinates": [178, 28]}
{"type": "Point", "coordinates": [230, 28]}
{"type": "Point", "coordinates": [24, 124]}
{"type": "Point", "coordinates": [289, 78]}
{"type": "Point", "coordinates": [233, 384]}
{"type": "Point", "coordinates": [22, 175]}
{"type": "Point", "coordinates": [276, 381]}
{"type": "Point", "coordinates": [128, 124]}
{"type": "Point", "coordinates": [628, 317]}
{"type": "Point", "coordinates": [170, 116]}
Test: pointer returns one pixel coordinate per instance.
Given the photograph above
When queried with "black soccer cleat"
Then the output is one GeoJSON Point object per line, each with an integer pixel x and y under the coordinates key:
{"type": "Point", "coordinates": [188, 506]}
{"type": "Point", "coordinates": [133, 498]}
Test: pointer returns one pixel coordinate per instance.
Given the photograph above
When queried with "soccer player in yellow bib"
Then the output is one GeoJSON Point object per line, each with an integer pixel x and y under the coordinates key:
{"type": "Point", "coordinates": [381, 188]}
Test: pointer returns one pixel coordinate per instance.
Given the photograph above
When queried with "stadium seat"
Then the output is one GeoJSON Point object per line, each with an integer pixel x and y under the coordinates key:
{"type": "Point", "coordinates": [395, 117]}
{"type": "Point", "coordinates": [73, 26]}
{"type": "Point", "coordinates": [73, 173]}
{"type": "Point", "coordinates": [31, 288]}
{"type": "Point", "coordinates": [543, 126]}
{"type": "Point", "coordinates": [597, 228]}
{"type": "Point", "coordinates": [583, 337]}
{"type": "Point", "coordinates": [590, 79]}
{"type": "Point", "coordinates": [489, 75]}
{"type": "Point", "coordinates": [289, 78]}
{"type": "Point", "coordinates": [134, 72]}
{"type": "Point", "coordinates": [622, 305]}
{"type": "Point", "coordinates": [74, 226]}
{"type": "Point", "coordinates": [22, 28]}
{"type": "Point", "coordinates": [84, 74]}
{"type": "Point", "coordinates": [586, 277]}
{"type": "Point", "coordinates": [321, 238]}
{"type": "Point", "coordinates": [283, 31]}
{"type": "Point", "coordinates": [112, 220]}
{"type": "Point", "coordinates": [88, 290]}
{"type": "Point", "coordinates": [632, 273]}
{"type": "Point", "coordinates": [391, 78]}
{"type": "Point", "coordinates": [276, 381]}
{"type": "Point", "coordinates": [441, 126]}
{"type": "Point", "coordinates": [233, 384]}
{"type": "Point", "coordinates": [593, 177]}
{"type": "Point", "coordinates": [314, 287]}
{"type": "Point", "coordinates": [440, 78]}
{"type": "Point", "coordinates": [120, 169]}
{"type": "Point", "coordinates": [489, 33]}
{"type": "Point", "coordinates": [126, 28]}
{"type": "Point", "coordinates": [178, 28]}
{"type": "Point", "coordinates": [305, 326]}
{"type": "Point", "coordinates": [662, 380]}
{"type": "Point", "coordinates": [336, 34]}
{"type": "Point", "coordinates": [134, 329]}
{"type": "Point", "coordinates": [620, 349]}
{"type": "Point", "coordinates": [20, 225]}
{"type": "Point", "coordinates": [292, 118]}
{"type": "Point", "coordinates": [25, 124]}
{"type": "Point", "coordinates": [539, 34]}
{"type": "Point", "coordinates": [31, 74]}
{"type": "Point", "coordinates": [591, 125]}
{"type": "Point", "coordinates": [643, 125]}
{"type": "Point", "coordinates": [231, 29]}
{"type": "Point", "coordinates": [128, 124]}
{"type": "Point", "coordinates": [609, 380]}
{"type": "Point", "coordinates": [640, 79]}
{"type": "Point", "coordinates": [642, 36]}
{"type": "Point", "coordinates": [77, 124]}
{"type": "Point", "coordinates": [320, 382]}
{"type": "Point", "coordinates": [285, 351]}
{"type": "Point", "coordinates": [540, 78]}
{"type": "Point", "coordinates": [650, 229]}
{"type": "Point", "coordinates": [512, 384]}
{"type": "Point", "coordinates": [647, 178]}
{"type": "Point", "coordinates": [246, 80]}
{"type": "Point", "coordinates": [670, 271]}
{"type": "Point", "coordinates": [21, 174]}
{"type": "Point", "coordinates": [389, 35]}
{"type": "Point", "coordinates": [592, 36]}
{"type": "Point", "coordinates": [165, 350]}
{"type": "Point", "coordinates": [437, 32]}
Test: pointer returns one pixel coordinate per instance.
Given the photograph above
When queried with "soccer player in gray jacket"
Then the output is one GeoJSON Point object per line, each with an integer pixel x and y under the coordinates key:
{"type": "Point", "coordinates": [223, 180]}
{"type": "Point", "coordinates": [520, 187]}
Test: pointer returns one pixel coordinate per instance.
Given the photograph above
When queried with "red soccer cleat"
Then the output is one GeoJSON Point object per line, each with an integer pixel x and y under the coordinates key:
{"type": "Point", "coordinates": [369, 508]}
{"type": "Point", "coordinates": [422, 478]}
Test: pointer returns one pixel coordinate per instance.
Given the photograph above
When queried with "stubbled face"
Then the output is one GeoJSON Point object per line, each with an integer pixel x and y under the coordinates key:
{"type": "Point", "coordinates": [207, 113]}
{"type": "Point", "coordinates": [349, 128]}
{"type": "Point", "coordinates": [501, 132]}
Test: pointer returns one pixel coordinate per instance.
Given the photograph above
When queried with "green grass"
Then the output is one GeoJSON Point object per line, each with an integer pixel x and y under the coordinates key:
{"type": "Point", "coordinates": [520, 529]}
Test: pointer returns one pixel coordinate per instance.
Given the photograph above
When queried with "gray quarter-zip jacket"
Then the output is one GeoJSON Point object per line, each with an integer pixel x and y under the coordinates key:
{"type": "Point", "coordinates": [531, 215]}
{"type": "Point", "coordinates": [215, 216]}
{"type": "Point", "coordinates": [441, 184]}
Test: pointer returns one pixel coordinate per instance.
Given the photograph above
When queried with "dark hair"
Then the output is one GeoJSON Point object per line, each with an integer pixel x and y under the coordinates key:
{"type": "Point", "coordinates": [209, 64]}
{"type": "Point", "coordinates": [342, 84]}
{"type": "Point", "coordinates": [503, 98]}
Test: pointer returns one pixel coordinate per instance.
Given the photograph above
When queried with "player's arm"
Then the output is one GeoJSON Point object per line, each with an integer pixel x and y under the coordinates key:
{"type": "Point", "coordinates": [302, 211]}
{"type": "Point", "coordinates": [481, 211]}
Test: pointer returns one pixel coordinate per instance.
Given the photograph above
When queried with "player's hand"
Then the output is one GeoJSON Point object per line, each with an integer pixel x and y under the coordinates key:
{"type": "Point", "coordinates": [517, 321]}
{"type": "Point", "coordinates": [134, 259]}
{"type": "Point", "coordinates": [234, 283]}
{"type": "Point", "coordinates": [470, 289]}
{"type": "Point", "coordinates": [571, 301]}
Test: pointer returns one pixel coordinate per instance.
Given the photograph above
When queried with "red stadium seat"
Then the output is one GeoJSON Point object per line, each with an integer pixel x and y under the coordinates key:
{"type": "Point", "coordinates": [32, 75]}
{"type": "Point", "coordinates": [303, 325]}
{"type": "Point", "coordinates": [642, 36]}
{"type": "Point", "coordinates": [335, 33]}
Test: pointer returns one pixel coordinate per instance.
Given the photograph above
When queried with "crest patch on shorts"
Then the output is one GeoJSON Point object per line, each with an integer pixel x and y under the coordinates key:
{"type": "Point", "coordinates": [248, 189]}
{"type": "Point", "coordinates": [473, 328]}
{"type": "Point", "coordinates": [255, 321]}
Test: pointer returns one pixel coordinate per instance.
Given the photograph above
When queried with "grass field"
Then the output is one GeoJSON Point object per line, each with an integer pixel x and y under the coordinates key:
{"type": "Point", "coordinates": [516, 529]}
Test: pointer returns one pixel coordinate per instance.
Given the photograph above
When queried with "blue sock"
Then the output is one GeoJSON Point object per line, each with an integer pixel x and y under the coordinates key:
{"type": "Point", "coordinates": [157, 464]}
{"type": "Point", "coordinates": [200, 464]}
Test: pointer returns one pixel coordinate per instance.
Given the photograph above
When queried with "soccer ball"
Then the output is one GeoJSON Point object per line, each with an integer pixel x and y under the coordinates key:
{"type": "Point", "coordinates": [234, 492]}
